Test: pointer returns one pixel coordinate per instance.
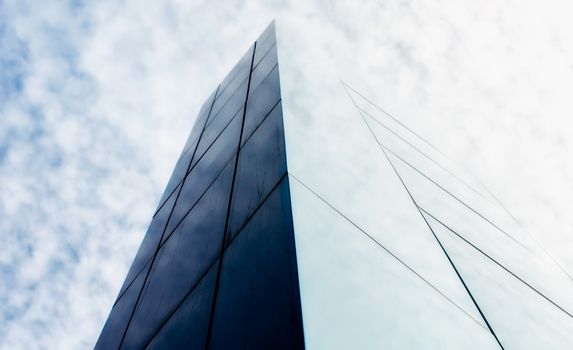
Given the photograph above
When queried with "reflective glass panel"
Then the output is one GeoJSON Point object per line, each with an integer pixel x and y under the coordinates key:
{"type": "Point", "coordinates": [521, 317]}
{"type": "Point", "coordinates": [261, 101]}
{"type": "Point", "coordinates": [265, 42]}
{"type": "Point", "coordinates": [187, 327]}
{"type": "Point", "coordinates": [262, 163]}
{"type": "Point", "coordinates": [355, 295]}
{"type": "Point", "coordinates": [119, 316]}
{"type": "Point", "coordinates": [150, 242]}
{"type": "Point", "coordinates": [258, 304]}
{"type": "Point", "coordinates": [206, 171]}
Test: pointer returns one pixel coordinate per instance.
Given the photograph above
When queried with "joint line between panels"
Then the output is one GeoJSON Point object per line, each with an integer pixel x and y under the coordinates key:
{"type": "Point", "coordinates": [227, 219]}
{"type": "Point", "coordinates": [169, 234]}
{"type": "Point", "coordinates": [426, 156]}
{"type": "Point", "coordinates": [386, 250]}
{"type": "Point", "coordinates": [393, 118]}
{"type": "Point", "coordinates": [180, 182]}
{"type": "Point", "coordinates": [199, 199]}
{"type": "Point", "coordinates": [429, 226]}
{"type": "Point", "coordinates": [555, 261]}
{"type": "Point", "coordinates": [219, 258]}
{"type": "Point", "coordinates": [551, 256]}
{"type": "Point", "coordinates": [496, 262]}
{"type": "Point", "coordinates": [139, 295]}
{"type": "Point", "coordinates": [419, 171]}
{"type": "Point", "coordinates": [385, 148]}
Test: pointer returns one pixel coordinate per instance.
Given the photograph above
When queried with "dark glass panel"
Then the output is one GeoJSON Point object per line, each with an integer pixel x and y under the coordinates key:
{"type": "Point", "coordinates": [230, 84]}
{"type": "Point", "coordinates": [261, 101]}
{"type": "Point", "coordinates": [264, 42]}
{"type": "Point", "coordinates": [205, 172]}
{"type": "Point", "coordinates": [192, 141]}
{"type": "Point", "coordinates": [213, 193]}
{"type": "Point", "coordinates": [188, 327]}
{"type": "Point", "coordinates": [258, 304]}
{"type": "Point", "coordinates": [181, 262]}
{"type": "Point", "coordinates": [200, 121]}
{"type": "Point", "coordinates": [177, 176]}
{"type": "Point", "coordinates": [264, 67]}
{"type": "Point", "coordinates": [118, 318]}
{"type": "Point", "coordinates": [213, 131]}
{"type": "Point", "coordinates": [262, 162]}
{"type": "Point", "coordinates": [150, 242]}
{"type": "Point", "coordinates": [232, 106]}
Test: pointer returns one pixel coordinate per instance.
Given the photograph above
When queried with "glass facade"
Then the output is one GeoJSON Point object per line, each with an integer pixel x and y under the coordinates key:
{"type": "Point", "coordinates": [217, 267]}
{"type": "Point", "coordinates": [398, 248]}
{"type": "Point", "coordinates": [302, 215]}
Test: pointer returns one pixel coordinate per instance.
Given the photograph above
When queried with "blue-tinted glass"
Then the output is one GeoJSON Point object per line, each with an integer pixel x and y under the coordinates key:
{"type": "Point", "coordinates": [212, 131]}
{"type": "Point", "coordinates": [264, 67]}
{"type": "Point", "coordinates": [206, 171]}
{"type": "Point", "coordinates": [150, 242]}
{"type": "Point", "coordinates": [264, 42]}
{"type": "Point", "coordinates": [240, 67]}
{"type": "Point", "coordinates": [258, 304]}
{"type": "Point", "coordinates": [180, 263]}
{"type": "Point", "coordinates": [118, 319]}
{"type": "Point", "coordinates": [213, 193]}
{"type": "Point", "coordinates": [202, 118]}
{"type": "Point", "coordinates": [187, 328]}
{"type": "Point", "coordinates": [234, 104]}
{"type": "Point", "coordinates": [262, 163]}
{"type": "Point", "coordinates": [231, 83]}
{"type": "Point", "coordinates": [261, 101]}
{"type": "Point", "coordinates": [177, 176]}
{"type": "Point", "coordinates": [188, 151]}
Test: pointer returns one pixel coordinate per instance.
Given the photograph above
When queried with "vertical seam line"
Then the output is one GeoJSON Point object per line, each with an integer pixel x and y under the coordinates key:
{"type": "Point", "coordinates": [165, 228]}
{"type": "Point", "coordinates": [224, 238]}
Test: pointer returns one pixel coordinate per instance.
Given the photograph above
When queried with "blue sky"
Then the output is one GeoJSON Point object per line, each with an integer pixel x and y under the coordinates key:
{"type": "Point", "coordinates": [97, 98]}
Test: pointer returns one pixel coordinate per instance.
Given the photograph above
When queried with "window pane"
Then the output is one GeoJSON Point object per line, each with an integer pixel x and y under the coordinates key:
{"type": "Point", "coordinates": [182, 261]}
{"type": "Point", "coordinates": [521, 318]}
{"type": "Point", "coordinates": [118, 318]}
{"type": "Point", "coordinates": [258, 305]}
{"type": "Point", "coordinates": [150, 242]}
{"type": "Point", "coordinates": [261, 102]}
{"type": "Point", "coordinates": [355, 295]}
{"type": "Point", "coordinates": [262, 163]}
{"type": "Point", "coordinates": [187, 327]}
{"type": "Point", "coordinates": [206, 171]}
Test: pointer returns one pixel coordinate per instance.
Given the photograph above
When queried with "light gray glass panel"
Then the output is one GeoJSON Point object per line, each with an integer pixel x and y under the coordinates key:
{"type": "Point", "coordinates": [521, 318]}
{"type": "Point", "coordinates": [355, 295]}
{"type": "Point", "coordinates": [440, 173]}
{"type": "Point", "coordinates": [522, 256]}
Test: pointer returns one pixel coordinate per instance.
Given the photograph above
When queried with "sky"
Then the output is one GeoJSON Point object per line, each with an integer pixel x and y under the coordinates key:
{"type": "Point", "coordinates": [97, 98]}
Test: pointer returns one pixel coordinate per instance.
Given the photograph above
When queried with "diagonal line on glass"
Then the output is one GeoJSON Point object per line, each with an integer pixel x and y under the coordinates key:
{"type": "Point", "coordinates": [163, 233]}
{"type": "Point", "coordinates": [426, 156]}
{"type": "Point", "coordinates": [456, 234]}
{"type": "Point", "coordinates": [230, 202]}
{"type": "Point", "coordinates": [207, 123]}
{"type": "Point", "coordinates": [549, 255]}
{"type": "Point", "coordinates": [426, 221]}
{"type": "Point", "coordinates": [440, 186]}
{"type": "Point", "coordinates": [169, 234]}
{"type": "Point", "coordinates": [392, 254]}
{"type": "Point", "coordinates": [219, 259]}
{"type": "Point", "coordinates": [456, 198]}
{"type": "Point", "coordinates": [392, 117]}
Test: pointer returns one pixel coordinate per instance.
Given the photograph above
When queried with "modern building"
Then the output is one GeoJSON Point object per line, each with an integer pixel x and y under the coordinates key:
{"type": "Point", "coordinates": [302, 215]}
